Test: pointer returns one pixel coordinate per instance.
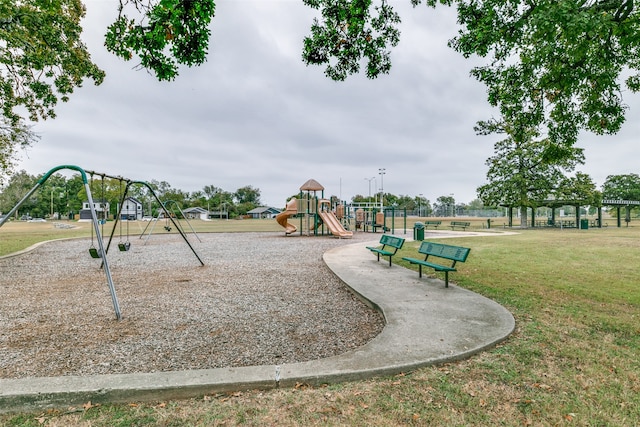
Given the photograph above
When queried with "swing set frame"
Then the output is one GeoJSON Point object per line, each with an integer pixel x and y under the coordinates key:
{"type": "Point", "coordinates": [102, 250]}
{"type": "Point", "coordinates": [174, 213]}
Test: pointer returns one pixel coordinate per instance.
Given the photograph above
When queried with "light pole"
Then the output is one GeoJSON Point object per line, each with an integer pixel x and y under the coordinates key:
{"type": "Point", "coordinates": [420, 205]}
{"type": "Point", "coordinates": [370, 179]}
{"type": "Point", "coordinates": [453, 205]}
{"type": "Point", "coordinates": [60, 196]}
{"type": "Point", "coordinates": [381, 173]}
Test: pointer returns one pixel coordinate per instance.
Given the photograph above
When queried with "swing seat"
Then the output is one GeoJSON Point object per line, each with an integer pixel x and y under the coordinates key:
{"type": "Point", "coordinates": [95, 253]}
{"type": "Point", "coordinates": [124, 246]}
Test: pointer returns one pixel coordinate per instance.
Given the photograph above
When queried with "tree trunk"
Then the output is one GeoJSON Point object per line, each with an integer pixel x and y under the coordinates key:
{"type": "Point", "coordinates": [524, 219]}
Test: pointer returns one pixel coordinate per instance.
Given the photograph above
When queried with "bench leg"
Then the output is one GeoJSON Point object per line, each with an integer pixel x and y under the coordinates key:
{"type": "Point", "coordinates": [389, 260]}
{"type": "Point", "coordinates": [446, 279]}
{"type": "Point", "coordinates": [378, 254]}
{"type": "Point", "coordinates": [420, 270]}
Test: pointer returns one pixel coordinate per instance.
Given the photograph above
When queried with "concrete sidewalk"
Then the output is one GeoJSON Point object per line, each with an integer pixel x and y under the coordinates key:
{"type": "Point", "coordinates": [426, 323]}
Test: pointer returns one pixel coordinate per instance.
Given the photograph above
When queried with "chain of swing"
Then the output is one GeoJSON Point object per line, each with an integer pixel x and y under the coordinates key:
{"type": "Point", "coordinates": [123, 246]}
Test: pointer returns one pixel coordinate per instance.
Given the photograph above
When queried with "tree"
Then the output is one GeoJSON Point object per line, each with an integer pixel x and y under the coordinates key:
{"type": "Point", "coordinates": [349, 33]}
{"type": "Point", "coordinates": [75, 187]}
{"type": "Point", "coordinates": [424, 206]}
{"type": "Point", "coordinates": [520, 173]}
{"type": "Point", "coordinates": [17, 186]}
{"type": "Point", "coordinates": [248, 194]}
{"type": "Point", "coordinates": [52, 195]}
{"type": "Point", "coordinates": [247, 198]}
{"type": "Point", "coordinates": [12, 136]}
{"type": "Point", "coordinates": [211, 191]}
{"type": "Point", "coordinates": [579, 188]}
{"type": "Point", "coordinates": [622, 187]}
{"type": "Point", "coordinates": [42, 60]}
{"type": "Point", "coordinates": [164, 34]}
{"type": "Point", "coordinates": [444, 206]}
{"type": "Point", "coordinates": [554, 65]}
{"type": "Point", "coordinates": [475, 204]}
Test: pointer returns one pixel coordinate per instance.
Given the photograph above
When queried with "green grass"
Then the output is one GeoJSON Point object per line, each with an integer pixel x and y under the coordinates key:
{"type": "Point", "coordinates": [574, 358]}
{"type": "Point", "coordinates": [18, 235]}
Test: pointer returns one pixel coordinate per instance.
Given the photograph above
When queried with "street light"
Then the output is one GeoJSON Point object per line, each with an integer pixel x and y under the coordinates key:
{"type": "Point", "coordinates": [420, 205]}
{"type": "Point", "coordinates": [381, 173]}
{"type": "Point", "coordinates": [61, 195]}
{"type": "Point", "coordinates": [453, 205]}
{"type": "Point", "coordinates": [370, 179]}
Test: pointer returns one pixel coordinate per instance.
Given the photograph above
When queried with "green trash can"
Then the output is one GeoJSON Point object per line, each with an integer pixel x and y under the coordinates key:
{"type": "Point", "coordinates": [584, 224]}
{"type": "Point", "coordinates": [418, 231]}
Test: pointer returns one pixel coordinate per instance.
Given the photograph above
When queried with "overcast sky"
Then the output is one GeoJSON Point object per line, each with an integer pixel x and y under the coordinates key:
{"type": "Point", "coordinates": [254, 114]}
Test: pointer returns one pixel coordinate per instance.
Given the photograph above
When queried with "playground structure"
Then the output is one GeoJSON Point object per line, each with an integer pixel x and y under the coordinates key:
{"type": "Point", "coordinates": [313, 212]}
{"type": "Point", "coordinates": [101, 251]}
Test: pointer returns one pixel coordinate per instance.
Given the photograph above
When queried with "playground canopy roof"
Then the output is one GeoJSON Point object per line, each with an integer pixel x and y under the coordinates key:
{"type": "Point", "coordinates": [311, 185]}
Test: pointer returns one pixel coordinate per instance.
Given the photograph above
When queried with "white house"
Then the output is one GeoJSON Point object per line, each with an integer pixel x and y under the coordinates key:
{"type": "Point", "coordinates": [196, 213]}
{"type": "Point", "coordinates": [131, 209]}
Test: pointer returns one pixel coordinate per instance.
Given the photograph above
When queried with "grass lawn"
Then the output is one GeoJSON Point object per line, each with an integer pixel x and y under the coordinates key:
{"type": "Point", "coordinates": [574, 358]}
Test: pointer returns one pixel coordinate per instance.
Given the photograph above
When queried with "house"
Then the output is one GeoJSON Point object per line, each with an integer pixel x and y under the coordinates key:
{"type": "Point", "coordinates": [131, 209]}
{"type": "Point", "coordinates": [101, 207]}
{"type": "Point", "coordinates": [196, 213]}
{"type": "Point", "coordinates": [263, 212]}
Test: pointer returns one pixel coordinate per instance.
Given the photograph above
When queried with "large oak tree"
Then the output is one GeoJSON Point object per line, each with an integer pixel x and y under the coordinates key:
{"type": "Point", "coordinates": [520, 174]}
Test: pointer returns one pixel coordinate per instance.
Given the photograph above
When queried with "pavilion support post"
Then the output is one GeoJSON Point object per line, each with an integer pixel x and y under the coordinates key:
{"type": "Point", "coordinates": [599, 216]}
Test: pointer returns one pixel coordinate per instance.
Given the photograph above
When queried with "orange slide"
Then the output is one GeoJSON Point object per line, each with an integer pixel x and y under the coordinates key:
{"type": "Point", "coordinates": [334, 225]}
{"type": "Point", "coordinates": [290, 210]}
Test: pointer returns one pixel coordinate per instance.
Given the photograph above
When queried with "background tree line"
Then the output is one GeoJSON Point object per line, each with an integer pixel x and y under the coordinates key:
{"type": "Point", "coordinates": [65, 195]}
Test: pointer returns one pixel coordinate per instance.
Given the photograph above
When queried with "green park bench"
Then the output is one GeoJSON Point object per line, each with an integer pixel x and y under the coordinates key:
{"type": "Point", "coordinates": [462, 224]}
{"type": "Point", "coordinates": [434, 223]}
{"type": "Point", "coordinates": [388, 243]}
{"type": "Point", "coordinates": [445, 252]}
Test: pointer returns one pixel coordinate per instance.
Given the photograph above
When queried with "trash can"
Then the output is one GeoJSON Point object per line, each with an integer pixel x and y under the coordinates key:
{"type": "Point", "coordinates": [418, 231]}
{"type": "Point", "coordinates": [584, 224]}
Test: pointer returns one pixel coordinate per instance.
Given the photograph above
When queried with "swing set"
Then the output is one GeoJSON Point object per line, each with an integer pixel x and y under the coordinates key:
{"type": "Point", "coordinates": [101, 251]}
{"type": "Point", "coordinates": [174, 212]}
{"type": "Point", "coordinates": [122, 246]}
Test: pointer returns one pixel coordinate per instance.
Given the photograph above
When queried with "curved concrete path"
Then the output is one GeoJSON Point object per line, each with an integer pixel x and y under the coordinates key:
{"type": "Point", "coordinates": [426, 324]}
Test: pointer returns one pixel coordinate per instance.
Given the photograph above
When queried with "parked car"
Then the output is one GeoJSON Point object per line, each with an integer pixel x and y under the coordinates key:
{"type": "Point", "coordinates": [37, 220]}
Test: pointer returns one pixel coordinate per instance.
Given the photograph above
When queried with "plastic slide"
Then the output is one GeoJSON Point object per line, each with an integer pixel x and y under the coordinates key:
{"type": "Point", "coordinates": [290, 210]}
{"type": "Point", "coordinates": [334, 225]}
